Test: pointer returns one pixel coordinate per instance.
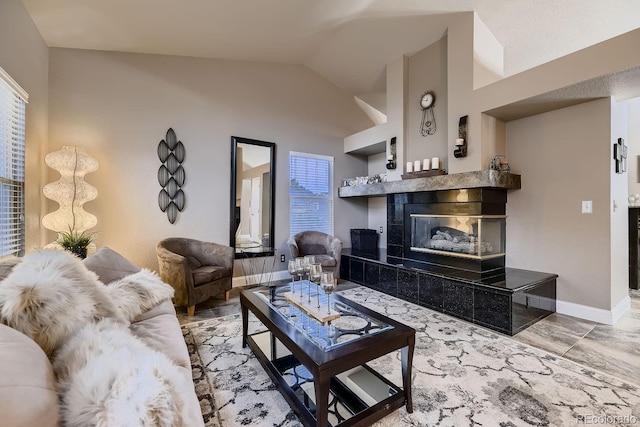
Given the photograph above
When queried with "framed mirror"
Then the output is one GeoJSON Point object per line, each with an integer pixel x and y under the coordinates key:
{"type": "Point", "coordinates": [253, 178]}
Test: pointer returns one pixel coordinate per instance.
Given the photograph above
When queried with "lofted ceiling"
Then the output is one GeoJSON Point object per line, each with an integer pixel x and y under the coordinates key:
{"type": "Point", "coordinates": [349, 42]}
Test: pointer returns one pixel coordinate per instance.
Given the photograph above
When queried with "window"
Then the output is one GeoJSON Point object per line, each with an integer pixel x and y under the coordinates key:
{"type": "Point", "coordinates": [310, 193]}
{"type": "Point", "coordinates": [13, 100]}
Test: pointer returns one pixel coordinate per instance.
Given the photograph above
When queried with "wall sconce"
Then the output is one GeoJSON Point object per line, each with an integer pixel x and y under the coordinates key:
{"type": "Point", "coordinates": [391, 157]}
{"type": "Point", "coordinates": [461, 142]}
{"type": "Point", "coordinates": [70, 191]}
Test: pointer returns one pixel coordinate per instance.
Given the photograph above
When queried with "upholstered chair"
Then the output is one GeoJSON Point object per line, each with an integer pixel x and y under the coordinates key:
{"type": "Point", "coordinates": [197, 270]}
{"type": "Point", "coordinates": [326, 248]}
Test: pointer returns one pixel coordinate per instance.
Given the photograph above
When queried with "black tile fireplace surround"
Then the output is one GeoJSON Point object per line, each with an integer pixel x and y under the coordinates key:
{"type": "Point", "coordinates": [482, 291]}
{"type": "Point", "coordinates": [508, 302]}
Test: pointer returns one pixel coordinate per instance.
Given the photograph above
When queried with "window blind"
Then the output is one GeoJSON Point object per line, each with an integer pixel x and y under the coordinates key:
{"type": "Point", "coordinates": [13, 101]}
{"type": "Point", "coordinates": [310, 193]}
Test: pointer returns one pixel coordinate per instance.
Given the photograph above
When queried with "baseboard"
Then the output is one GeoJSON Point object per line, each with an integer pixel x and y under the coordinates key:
{"type": "Point", "coordinates": [257, 279]}
{"type": "Point", "coordinates": [608, 317]}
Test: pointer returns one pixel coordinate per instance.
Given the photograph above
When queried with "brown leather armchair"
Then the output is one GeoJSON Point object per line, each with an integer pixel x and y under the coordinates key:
{"type": "Point", "coordinates": [197, 270]}
{"type": "Point", "coordinates": [326, 248]}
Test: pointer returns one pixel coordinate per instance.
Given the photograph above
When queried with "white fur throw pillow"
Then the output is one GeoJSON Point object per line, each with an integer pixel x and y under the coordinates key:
{"type": "Point", "coordinates": [139, 292]}
{"type": "Point", "coordinates": [107, 377]}
{"type": "Point", "coordinates": [50, 295]}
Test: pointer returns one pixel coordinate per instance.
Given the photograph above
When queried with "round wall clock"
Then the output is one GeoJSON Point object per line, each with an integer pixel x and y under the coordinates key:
{"type": "Point", "coordinates": [428, 124]}
{"type": "Point", "coordinates": [426, 101]}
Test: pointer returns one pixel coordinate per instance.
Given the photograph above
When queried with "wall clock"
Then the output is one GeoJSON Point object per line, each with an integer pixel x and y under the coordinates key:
{"type": "Point", "coordinates": [428, 123]}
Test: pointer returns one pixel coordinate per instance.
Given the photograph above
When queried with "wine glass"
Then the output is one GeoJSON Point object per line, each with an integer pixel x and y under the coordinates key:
{"type": "Point", "coordinates": [328, 284]}
{"type": "Point", "coordinates": [299, 263]}
{"type": "Point", "coordinates": [315, 275]}
{"type": "Point", "coordinates": [308, 260]}
{"type": "Point", "coordinates": [291, 268]}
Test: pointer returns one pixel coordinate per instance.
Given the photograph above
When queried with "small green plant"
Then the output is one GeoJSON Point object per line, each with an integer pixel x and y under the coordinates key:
{"type": "Point", "coordinates": [75, 242]}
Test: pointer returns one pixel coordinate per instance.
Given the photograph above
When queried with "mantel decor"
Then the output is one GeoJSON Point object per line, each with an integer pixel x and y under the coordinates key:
{"type": "Point", "coordinates": [171, 176]}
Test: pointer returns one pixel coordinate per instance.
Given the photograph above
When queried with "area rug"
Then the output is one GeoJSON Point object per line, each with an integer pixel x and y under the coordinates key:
{"type": "Point", "coordinates": [463, 375]}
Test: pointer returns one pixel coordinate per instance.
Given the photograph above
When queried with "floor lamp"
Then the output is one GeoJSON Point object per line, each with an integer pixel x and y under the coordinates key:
{"type": "Point", "coordinates": [70, 191]}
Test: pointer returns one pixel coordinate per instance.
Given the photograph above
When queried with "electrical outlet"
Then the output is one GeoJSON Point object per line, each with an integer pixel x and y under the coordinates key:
{"type": "Point", "coordinates": [381, 230]}
{"type": "Point", "coordinates": [281, 257]}
{"type": "Point", "coordinates": [587, 206]}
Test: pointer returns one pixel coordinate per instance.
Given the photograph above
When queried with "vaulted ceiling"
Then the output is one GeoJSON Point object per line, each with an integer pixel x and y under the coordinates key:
{"type": "Point", "coordinates": [349, 42]}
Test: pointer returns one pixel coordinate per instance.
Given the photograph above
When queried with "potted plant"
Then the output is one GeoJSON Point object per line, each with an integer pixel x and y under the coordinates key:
{"type": "Point", "coordinates": [75, 242]}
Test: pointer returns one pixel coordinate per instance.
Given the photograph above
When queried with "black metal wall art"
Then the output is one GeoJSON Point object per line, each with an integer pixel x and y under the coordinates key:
{"type": "Point", "coordinates": [620, 156]}
{"type": "Point", "coordinates": [171, 175]}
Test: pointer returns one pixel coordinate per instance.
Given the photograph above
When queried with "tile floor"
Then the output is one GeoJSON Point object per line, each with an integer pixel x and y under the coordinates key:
{"type": "Point", "coordinates": [611, 349]}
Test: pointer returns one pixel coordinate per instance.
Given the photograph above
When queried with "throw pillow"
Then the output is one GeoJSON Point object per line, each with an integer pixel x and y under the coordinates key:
{"type": "Point", "coordinates": [109, 265]}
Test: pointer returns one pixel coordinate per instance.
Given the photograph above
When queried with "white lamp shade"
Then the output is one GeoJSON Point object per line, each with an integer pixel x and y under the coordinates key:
{"type": "Point", "coordinates": [70, 191]}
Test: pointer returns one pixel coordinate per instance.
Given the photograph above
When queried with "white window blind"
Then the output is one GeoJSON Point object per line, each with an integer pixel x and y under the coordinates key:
{"type": "Point", "coordinates": [310, 193]}
{"type": "Point", "coordinates": [13, 101]}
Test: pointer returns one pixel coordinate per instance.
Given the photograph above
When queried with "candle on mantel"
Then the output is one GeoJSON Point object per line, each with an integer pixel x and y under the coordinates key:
{"type": "Point", "coordinates": [409, 167]}
{"type": "Point", "coordinates": [435, 163]}
{"type": "Point", "coordinates": [416, 166]}
{"type": "Point", "coordinates": [426, 164]}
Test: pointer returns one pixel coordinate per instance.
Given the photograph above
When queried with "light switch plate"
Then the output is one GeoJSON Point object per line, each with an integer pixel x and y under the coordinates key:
{"type": "Point", "coordinates": [587, 206]}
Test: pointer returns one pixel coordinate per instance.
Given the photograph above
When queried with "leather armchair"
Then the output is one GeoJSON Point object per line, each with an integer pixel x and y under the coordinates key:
{"type": "Point", "coordinates": [197, 270]}
{"type": "Point", "coordinates": [326, 248]}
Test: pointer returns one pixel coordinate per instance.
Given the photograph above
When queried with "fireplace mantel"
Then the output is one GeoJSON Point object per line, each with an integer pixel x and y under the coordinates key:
{"type": "Point", "coordinates": [456, 181]}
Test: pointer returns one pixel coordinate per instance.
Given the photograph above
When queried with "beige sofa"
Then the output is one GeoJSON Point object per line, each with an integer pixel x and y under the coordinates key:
{"type": "Point", "coordinates": [27, 385]}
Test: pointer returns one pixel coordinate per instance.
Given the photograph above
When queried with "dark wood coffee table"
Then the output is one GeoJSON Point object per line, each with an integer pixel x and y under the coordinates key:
{"type": "Point", "coordinates": [321, 369]}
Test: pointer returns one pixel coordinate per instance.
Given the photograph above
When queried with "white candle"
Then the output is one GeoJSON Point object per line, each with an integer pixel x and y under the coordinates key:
{"type": "Point", "coordinates": [416, 166]}
{"type": "Point", "coordinates": [435, 163]}
{"type": "Point", "coordinates": [426, 164]}
{"type": "Point", "coordinates": [409, 167]}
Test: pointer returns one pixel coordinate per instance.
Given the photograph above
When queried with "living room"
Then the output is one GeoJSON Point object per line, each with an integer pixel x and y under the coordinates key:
{"type": "Point", "coordinates": [118, 106]}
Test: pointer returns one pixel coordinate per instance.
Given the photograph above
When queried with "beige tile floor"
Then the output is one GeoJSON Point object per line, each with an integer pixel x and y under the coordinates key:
{"type": "Point", "coordinates": [611, 349]}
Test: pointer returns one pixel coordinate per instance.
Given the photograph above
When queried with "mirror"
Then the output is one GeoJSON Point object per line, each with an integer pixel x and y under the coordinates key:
{"type": "Point", "coordinates": [253, 177]}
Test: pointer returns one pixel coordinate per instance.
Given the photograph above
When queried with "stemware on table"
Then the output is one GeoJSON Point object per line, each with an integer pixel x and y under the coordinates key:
{"type": "Point", "coordinates": [308, 260]}
{"type": "Point", "coordinates": [291, 268]}
{"type": "Point", "coordinates": [299, 263]}
{"type": "Point", "coordinates": [328, 284]}
{"type": "Point", "coordinates": [315, 276]}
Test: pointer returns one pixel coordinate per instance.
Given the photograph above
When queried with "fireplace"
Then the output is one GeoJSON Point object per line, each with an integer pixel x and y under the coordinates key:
{"type": "Point", "coordinates": [461, 272]}
{"type": "Point", "coordinates": [456, 229]}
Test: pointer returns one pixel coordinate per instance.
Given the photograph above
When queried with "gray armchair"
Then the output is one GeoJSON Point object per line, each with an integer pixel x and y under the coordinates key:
{"type": "Point", "coordinates": [326, 248]}
{"type": "Point", "coordinates": [197, 270]}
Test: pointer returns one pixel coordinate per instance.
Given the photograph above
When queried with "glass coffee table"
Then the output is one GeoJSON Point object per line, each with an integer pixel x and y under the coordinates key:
{"type": "Point", "coordinates": [320, 368]}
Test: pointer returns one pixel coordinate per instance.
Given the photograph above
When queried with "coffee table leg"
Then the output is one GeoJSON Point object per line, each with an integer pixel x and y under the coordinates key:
{"type": "Point", "coordinates": [245, 324]}
{"type": "Point", "coordinates": [407, 364]}
{"type": "Point", "coordinates": [321, 386]}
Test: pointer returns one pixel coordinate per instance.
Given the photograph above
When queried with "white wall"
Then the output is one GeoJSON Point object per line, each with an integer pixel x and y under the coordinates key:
{"type": "Point", "coordinates": [618, 208]}
{"type": "Point", "coordinates": [24, 55]}
{"type": "Point", "coordinates": [427, 72]}
{"type": "Point", "coordinates": [564, 158]}
{"type": "Point", "coordinates": [118, 106]}
{"type": "Point", "coordinates": [633, 146]}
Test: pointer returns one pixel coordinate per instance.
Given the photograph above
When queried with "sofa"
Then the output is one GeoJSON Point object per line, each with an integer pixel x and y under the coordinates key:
{"type": "Point", "coordinates": [27, 385]}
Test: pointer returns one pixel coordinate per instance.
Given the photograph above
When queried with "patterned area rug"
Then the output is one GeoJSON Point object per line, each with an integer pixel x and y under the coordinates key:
{"type": "Point", "coordinates": [463, 375]}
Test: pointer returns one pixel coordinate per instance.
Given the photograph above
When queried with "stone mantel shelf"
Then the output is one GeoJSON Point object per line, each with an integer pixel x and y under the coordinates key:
{"type": "Point", "coordinates": [456, 181]}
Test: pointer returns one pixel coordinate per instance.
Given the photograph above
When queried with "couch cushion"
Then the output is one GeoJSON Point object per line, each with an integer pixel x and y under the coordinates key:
{"type": "Point", "coordinates": [325, 260]}
{"type": "Point", "coordinates": [27, 386]}
{"type": "Point", "coordinates": [159, 328]}
{"type": "Point", "coordinates": [109, 265]}
{"type": "Point", "coordinates": [209, 273]}
{"type": "Point", "coordinates": [313, 248]}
